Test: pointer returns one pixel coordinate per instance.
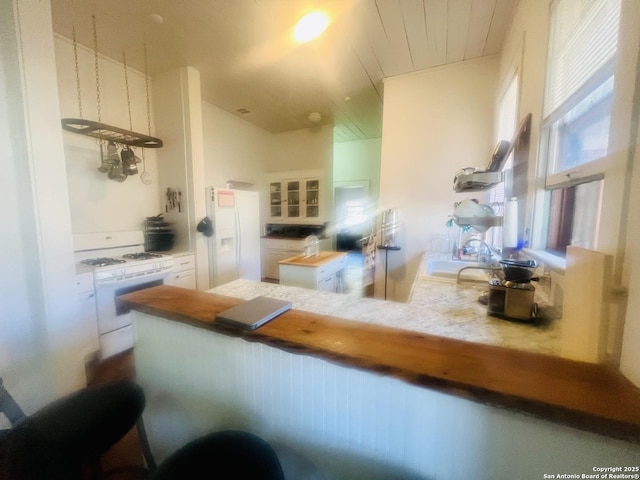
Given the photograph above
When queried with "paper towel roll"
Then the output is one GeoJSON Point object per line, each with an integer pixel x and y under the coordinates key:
{"type": "Point", "coordinates": [510, 224]}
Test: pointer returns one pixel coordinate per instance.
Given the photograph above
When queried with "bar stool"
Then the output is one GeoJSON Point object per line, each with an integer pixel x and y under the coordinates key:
{"type": "Point", "coordinates": [66, 437]}
{"type": "Point", "coordinates": [222, 454]}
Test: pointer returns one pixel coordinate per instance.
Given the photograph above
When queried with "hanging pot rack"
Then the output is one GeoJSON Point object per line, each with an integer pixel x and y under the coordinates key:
{"type": "Point", "coordinates": [109, 133]}
{"type": "Point", "coordinates": [100, 130]}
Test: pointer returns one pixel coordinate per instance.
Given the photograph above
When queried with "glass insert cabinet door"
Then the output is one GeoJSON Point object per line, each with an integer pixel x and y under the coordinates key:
{"type": "Point", "coordinates": [293, 198]}
{"type": "Point", "coordinates": [312, 195]}
{"type": "Point", "coordinates": [275, 199]}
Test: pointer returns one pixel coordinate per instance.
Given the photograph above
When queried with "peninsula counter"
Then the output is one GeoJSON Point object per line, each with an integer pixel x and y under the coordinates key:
{"type": "Point", "coordinates": [321, 382]}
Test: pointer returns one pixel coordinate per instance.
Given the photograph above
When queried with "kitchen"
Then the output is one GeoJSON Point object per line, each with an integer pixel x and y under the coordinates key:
{"type": "Point", "coordinates": [41, 235]}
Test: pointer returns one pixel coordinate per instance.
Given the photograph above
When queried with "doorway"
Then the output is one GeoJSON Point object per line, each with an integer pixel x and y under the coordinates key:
{"type": "Point", "coordinates": [352, 214]}
{"type": "Point", "coordinates": [351, 205]}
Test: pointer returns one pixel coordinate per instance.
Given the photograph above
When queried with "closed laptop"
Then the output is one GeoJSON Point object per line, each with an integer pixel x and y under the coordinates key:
{"type": "Point", "coordinates": [253, 313]}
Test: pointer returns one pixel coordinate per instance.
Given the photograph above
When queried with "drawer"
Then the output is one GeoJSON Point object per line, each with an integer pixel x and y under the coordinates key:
{"type": "Point", "coordinates": [279, 244]}
{"type": "Point", "coordinates": [331, 268]}
{"type": "Point", "coordinates": [184, 262]}
{"type": "Point", "coordinates": [116, 341]}
{"type": "Point", "coordinates": [341, 263]}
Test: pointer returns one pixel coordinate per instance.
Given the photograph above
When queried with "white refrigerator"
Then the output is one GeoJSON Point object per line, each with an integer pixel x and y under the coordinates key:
{"type": "Point", "coordinates": [234, 247]}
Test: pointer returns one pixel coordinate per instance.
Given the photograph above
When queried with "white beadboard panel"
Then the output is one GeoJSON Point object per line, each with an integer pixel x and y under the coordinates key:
{"type": "Point", "coordinates": [458, 14]}
{"type": "Point", "coordinates": [389, 60]}
{"type": "Point", "coordinates": [416, 33]}
{"type": "Point", "coordinates": [390, 12]}
{"type": "Point", "coordinates": [435, 12]}
{"type": "Point", "coordinates": [347, 423]}
{"type": "Point", "coordinates": [500, 23]}
{"type": "Point", "coordinates": [479, 23]}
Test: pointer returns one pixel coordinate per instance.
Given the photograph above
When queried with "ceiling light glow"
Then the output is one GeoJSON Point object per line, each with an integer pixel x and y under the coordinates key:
{"type": "Point", "coordinates": [310, 26]}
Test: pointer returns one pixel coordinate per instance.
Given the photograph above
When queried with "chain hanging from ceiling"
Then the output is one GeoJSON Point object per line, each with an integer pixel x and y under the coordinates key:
{"type": "Point", "coordinates": [145, 177]}
{"type": "Point", "coordinates": [101, 130]}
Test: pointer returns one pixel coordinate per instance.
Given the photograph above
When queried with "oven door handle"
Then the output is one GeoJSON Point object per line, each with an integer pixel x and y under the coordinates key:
{"type": "Point", "coordinates": [160, 273]}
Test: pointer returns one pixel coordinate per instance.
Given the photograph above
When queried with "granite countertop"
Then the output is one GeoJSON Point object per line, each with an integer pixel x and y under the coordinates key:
{"type": "Point", "coordinates": [437, 307]}
{"type": "Point", "coordinates": [313, 261]}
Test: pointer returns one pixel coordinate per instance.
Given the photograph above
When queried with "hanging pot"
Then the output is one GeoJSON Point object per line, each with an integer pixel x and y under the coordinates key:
{"type": "Point", "coordinates": [129, 166]}
{"type": "Point", "coordinates": [116, 173]}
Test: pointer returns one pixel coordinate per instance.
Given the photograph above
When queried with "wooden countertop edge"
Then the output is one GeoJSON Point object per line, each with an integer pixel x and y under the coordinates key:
{"type": "Point", "coordinates": [282, 237]}
{"type": "Point", "coordinates": [317, 261]}
{"type": "Point", "coordinates": [586, 396]}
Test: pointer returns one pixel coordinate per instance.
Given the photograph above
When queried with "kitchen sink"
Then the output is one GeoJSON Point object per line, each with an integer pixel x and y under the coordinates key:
{"type": "Point", "coordinates": [449, 268]}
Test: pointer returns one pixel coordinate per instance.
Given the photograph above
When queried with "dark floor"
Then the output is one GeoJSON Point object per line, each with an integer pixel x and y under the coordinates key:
{"type": "Point", "coordinates": [126, 454]}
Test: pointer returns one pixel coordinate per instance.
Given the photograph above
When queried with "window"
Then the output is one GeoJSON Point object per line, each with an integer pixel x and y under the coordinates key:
{"type": "Point", "coordinates": [577, 116]}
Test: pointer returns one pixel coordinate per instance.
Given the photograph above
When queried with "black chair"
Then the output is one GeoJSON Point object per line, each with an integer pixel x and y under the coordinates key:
{"type": "Point", "coordinates": [67, 437]}
{"type": "Point", "coordinates": [225, 454]}
{"type": "Point", "coordinates": [61, 440]}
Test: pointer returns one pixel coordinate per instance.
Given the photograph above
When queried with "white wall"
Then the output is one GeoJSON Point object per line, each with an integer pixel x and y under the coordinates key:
{"type": "Point", "coordinates": [304, 149]}
{"type": "Point", "coordinates": [178, 103]}
{"type": "Point", "coordinates": [99, 204]}
{"type": "Point", "coordinates": [435, 123]}
{"type": "Point", "coordinates": [234, 149]}
{"type": "Point", "coordinates": [40, 353]}
{"type": "Point", "coordinates": [630, 357]}
{"type": "Point", "coordinates": [524, 53]}
{"type": "Point", "coordinates": [357, 161]}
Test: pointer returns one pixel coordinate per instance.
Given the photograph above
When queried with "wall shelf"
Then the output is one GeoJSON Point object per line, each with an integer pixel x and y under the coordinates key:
{"type": "Point", "coordinates": [476, 181]}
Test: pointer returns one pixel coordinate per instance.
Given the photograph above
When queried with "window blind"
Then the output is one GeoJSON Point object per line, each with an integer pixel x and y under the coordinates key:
{"type": "Point", "coordinates": [583, 38]}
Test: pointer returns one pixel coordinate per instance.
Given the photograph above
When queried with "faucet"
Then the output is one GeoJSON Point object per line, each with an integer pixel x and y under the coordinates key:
{"type": "Point", "coordinates": [492, 271]}
{"type": "Point", "coordinates": [490, 251]}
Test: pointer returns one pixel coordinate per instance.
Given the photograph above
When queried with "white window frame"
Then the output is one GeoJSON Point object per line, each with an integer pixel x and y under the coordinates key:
{"type": "Point", "coordinates": [612, 168]}
{"type": "Point", "coordinates": [496, 196]}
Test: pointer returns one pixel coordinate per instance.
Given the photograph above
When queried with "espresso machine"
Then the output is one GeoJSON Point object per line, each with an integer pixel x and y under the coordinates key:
{"type": "Point", "coordinates": [512, 297]}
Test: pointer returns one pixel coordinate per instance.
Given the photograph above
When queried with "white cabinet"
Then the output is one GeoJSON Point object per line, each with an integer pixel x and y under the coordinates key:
{"type": "Point", "coordinates": [87, 316]}
{"type": "Point", "coordinates": [184, 272]}
{"type": "Point", "coordinates": [295, 199]}
{"type": "Point", "coordinates": [324, 272]}
{"type": "Point", "coordinates": [274, 250]}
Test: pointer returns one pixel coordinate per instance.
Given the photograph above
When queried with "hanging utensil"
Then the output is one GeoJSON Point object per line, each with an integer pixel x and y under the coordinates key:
{"type": "Point", "coordinates": [104, 166]}
{"type": "Point", "coordinates": [145, 177]}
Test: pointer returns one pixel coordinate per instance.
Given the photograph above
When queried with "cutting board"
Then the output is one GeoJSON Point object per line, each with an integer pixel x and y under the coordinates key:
{"type": "Point", "coordinates": [587, 291]}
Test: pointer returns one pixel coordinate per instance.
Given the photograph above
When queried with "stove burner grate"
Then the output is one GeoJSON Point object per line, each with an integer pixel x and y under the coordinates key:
{"type": "Point", "coordinates": [142, 256]}
{"type": "Point", "coordinates": [102, 261]}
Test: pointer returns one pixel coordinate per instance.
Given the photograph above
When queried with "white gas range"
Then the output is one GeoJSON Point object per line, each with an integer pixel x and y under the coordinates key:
{"type": "Point", "coordinates": [120, 266]}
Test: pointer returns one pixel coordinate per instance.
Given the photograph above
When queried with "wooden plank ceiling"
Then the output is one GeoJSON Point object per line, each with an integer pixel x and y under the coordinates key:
{"type": "Point", "coordinates": [248, 63]}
